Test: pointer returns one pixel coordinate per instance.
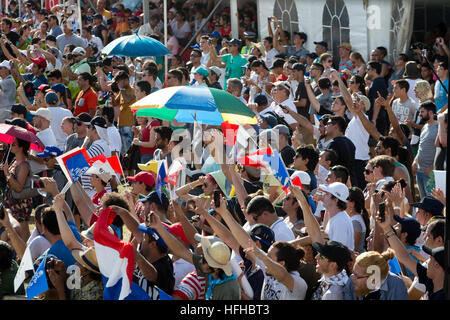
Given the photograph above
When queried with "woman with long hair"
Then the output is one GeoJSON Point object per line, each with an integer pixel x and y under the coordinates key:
{"type": "Point", "coordinates": [359, 63]}
{"type": "Point", "coordinates": [356, 84]}
{"type": "Point", "coordinates": [18, 177]}
{"type": "Point", "coordinates": [360, 218]}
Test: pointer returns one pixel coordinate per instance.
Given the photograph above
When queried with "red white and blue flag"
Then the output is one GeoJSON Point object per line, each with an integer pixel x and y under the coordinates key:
{"type": "Point", "coordinates": [256, 159]}
{"type": "Point", "coordinates": [74, 163]}
{"type": "Point", "coordinates": [116, 263]}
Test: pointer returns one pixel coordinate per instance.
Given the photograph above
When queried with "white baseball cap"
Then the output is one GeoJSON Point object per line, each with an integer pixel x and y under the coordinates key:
{"type": "Point", "coordinates": [44, 113]}
{"type": "Point", "coordinates": [304, 177]}
{"type": "Point", "coordinates": [79, 51]}
{"type": "Point", "coordinates": [5, 64]}
{"type": "Point", "coordinates": [337, 189]}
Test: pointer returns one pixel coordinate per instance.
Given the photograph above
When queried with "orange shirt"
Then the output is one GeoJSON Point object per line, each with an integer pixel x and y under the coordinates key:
{"type": "Point", "coordinates": [85, 101]}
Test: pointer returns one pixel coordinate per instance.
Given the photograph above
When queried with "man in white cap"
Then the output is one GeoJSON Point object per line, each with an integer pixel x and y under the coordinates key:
{"type": "Point", "coordinates": [57, 115]}
{"type": "Point", "coordinates": [7, 90]}
{"type": "Point", "coordinates": [42, 119]}
{"type": "Point", "coordinates": [339, 227]}
{"type": "Point", "coordinates": [79, 65]}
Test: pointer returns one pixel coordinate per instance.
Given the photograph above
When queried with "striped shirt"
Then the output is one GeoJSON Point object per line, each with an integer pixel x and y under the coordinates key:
{"type": "Point", "coordinates": [97, 148]}
{"type": "Point", "coordinates": [192, 287]}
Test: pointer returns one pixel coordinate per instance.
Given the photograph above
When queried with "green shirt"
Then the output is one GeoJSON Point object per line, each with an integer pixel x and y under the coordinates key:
{"type": "Point", "coordinates": [234, 66]}
{"type": "Point", "coordinates": [77, 68]}
{"type": "Point", "coordinates": [7, 281]}
{"type": "Point", "coordinates": [229, 290]}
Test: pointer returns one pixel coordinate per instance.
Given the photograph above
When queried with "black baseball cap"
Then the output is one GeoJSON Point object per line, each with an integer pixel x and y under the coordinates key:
{"type": "Point", "coordinates": [261, 100]}
{"type": "Point", "coordinates": [153, 197]}
{"type": "Point", "coordinates": [431, 205]}
{"type": "Point", "coordinates": [437, 253]}
{"type": "Point", "coordinates": [234, 42]}
{"type": "Point", "coordinates": [19, 108]}
{"type": "Point", "coordinates": [84, 117]}
{"type": "Point", "coordinates": [409, 225]}
{"type": "Point", "coordinates": [299, 67]}
{"type": "Point", "coordinates": [99, 121]}
{"type": "Point", "coordinates": [277, 63]}
{"type": "Point", "coordinates": [17, 122]}
{"type": "Point", "coordinates": [322, 43]}
{"type": "Point", "coordinates": [334, 251]}
{"type": "Point", "coordinates": [50, 37]}
{"type": "Point", "coordinates": [263, 234]}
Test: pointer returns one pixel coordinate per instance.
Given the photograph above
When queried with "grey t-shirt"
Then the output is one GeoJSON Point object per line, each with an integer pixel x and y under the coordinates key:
{"type": "Point", "coordinates": [325, 100]}
{"type": "Point", "coordinates": [62, 41]}
{"type": "Point", "coordinates": [404, 111]}
{"type": "Point", "coordinates": [427, 150]}
{"type": "Point", "coordinates": [73, 141]}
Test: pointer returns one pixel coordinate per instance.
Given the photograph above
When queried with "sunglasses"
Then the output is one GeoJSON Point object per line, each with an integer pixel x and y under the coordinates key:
{"type": "Point", "coordinates": [358, 277]}
{"type": "Point", "coordinates": [352, 82]}
{"type": "Point", "coordinates": [196, 56]}
{"type": "Point", "coordinates": [367, 171]}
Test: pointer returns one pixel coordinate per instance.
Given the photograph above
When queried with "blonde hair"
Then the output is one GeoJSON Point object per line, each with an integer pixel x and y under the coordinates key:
{"type": "Point", "coordinates": [374, 258]}
{"type": "Point", "coordinates": [325, 56]}
{"type": "Point", "coordinates": [423, 91]}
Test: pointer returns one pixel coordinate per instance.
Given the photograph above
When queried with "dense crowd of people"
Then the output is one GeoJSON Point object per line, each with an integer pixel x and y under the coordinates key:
{"type": "Point", "coordinates": [364, 139]}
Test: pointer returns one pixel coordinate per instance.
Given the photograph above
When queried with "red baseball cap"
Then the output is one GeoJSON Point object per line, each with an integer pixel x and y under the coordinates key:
{"type": "Point", "coordinates": [177, 230]}
{"type": "Point", "coordinates": [40, 61]}
{"type": "Point", "coordinates": [143, 176]}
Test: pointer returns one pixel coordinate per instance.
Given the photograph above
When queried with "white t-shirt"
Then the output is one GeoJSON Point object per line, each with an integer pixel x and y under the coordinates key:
{"type": "Point", "coordinates": [277, 109]}
{"type": "Point", "coordinates": [180, 32]}
{"type": "Point", "coordinates": [412, 84]}
{"type": "Point", "coordinates": [270, 56]}
{"type": "Point", "coordinates": [180, 269]}
{"type": "Point", "coordinates": [114, 139]}
{"type": "Point", "coordinates": [404, 111]}
{"type": "Point", "coordinates": [37, 244]}
{"type": "Point", "coordinates": [274, 290]}
{"type": "Point", "coordinates": [58, 114]}
{"type": "Point", "coordinates": [340, 228]}
{"type": "Point", "coordinates": [282, 231]}
{"type": "Point", "coordinates": [48, 139]}
{"type": "Point", "coordinates": [96, 41]}
{"type": "Point", "coordinates": [359, 136]}
{"type": "Point", "coordinates": [145, 30]}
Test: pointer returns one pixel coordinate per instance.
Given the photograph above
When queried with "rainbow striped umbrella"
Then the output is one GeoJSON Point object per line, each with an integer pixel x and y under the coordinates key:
{"type": "Point", "coordinates": [191, 103]}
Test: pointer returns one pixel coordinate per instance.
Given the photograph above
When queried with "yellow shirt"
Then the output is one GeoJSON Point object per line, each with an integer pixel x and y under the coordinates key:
{"type": "Point", "coordinates": [106, 14]}
{"type": "Point", "coordinates": [126, 117]}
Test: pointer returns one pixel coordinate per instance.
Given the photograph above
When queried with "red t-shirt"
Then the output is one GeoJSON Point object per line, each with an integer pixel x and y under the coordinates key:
{"type": "Point", "coordinates": [85, 101]}
{"type": "Point", "coordinates": [146, 138]}
{"type": "Point", "coordinates": [97, 198]}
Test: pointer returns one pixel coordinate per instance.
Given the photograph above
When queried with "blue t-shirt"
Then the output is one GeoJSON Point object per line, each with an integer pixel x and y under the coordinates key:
{"type": "Point", "coordinates": [417, 249]}
{"type": "Point", "coordinates": [59, 249]}
{"type": "Point", "coordinates": [36, 81]}
{"type": "Point", "coordinates": [440, 97]}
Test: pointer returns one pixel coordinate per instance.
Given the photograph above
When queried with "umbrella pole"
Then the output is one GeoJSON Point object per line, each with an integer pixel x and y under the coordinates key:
{"type": "Point", "coordinates": [7, 155]}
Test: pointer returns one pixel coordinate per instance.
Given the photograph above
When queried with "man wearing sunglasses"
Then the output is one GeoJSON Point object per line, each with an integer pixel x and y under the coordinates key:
{"type": "Point", "coordinates": [195, 58]}
{"type": "Point", "coordinates": [77, 139]}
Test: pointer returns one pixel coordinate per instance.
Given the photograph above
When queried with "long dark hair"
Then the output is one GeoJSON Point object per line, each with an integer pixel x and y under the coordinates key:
{"type": "Point", "coordinates": [357, 196]}
{"type": "Point", "coordinates": [361, 84]}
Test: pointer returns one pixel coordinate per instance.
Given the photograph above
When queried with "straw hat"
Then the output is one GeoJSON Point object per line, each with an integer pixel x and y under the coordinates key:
{"type": "Point", "coordinates": [216, 253]}
{"type": "Point", "coordinates": [87, 259]}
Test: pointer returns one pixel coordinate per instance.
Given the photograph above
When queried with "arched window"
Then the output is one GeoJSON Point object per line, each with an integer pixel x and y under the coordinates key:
{"type": "Point", "coordinates": [336, 26]}
{"type": "Point", "coordinates": [286, 13]}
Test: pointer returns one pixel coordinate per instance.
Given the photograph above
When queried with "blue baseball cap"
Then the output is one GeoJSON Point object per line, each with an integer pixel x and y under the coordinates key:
{"type": "Point", "coordinates": [215, 34]}
{"type": "Point", "coordinates": [409, 225]}
{"type": "Point", "coordinates": [59, 87]}
{"type": "Point", "coordinates": [51, 98]}
{"type": "Point", "coordinates": [50, 151]}
{"type": "Point", "coordinates": [153, 233]}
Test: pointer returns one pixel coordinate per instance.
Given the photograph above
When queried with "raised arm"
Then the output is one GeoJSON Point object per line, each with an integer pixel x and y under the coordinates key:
{"type": "Point", "coordinates": [392, 118]}
{"type": "Point", "coordinates": [311, 223]}
{"type": "Point", "coordinates": [177, 248]}
{"type": "Point", "coordinates": [276, 43]}
{"type": "Point", "coordinates": [240, 235]}
{"type": "Point", "coordinates": [221, 231]}
{"type": "Point", "coordinates": [302, 121]}
{"type": "Point", "coordinates": [367, 124]}
{"type": "Point", "coordinates": [17, 242]}
{"type": "Point", "coordinates": [342, 87]}
{"type": "Point", "coordinates": [66, 233]}
{"type": "Point", "coordinates": [189, 229]}
{"type": "Point", "coordinates": [311, 96]}
{"type": "Point", "coordinates": [130, 220]}
{"type": "Point", "coordinates": [394, 242]}
{"type": "Point", "coordinates": [83, 203]}
{"type": "Point", "coordinates": [273, 268]}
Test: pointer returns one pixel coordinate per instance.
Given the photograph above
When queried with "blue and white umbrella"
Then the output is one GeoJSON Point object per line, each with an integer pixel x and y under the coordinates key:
{"type": "Point", "coordinates": [135, 46]}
